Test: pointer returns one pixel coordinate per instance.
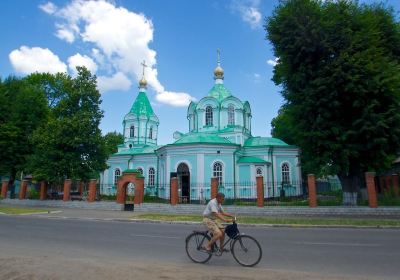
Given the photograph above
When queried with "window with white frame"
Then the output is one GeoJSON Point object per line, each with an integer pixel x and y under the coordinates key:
{"type": "Point", "coordinates": [217, 172]}
{"type": "Point", "coordinates": [151, 133]}
{"type": "Point", "coordinates": [152, 175]}
{"type": "Point", "coordinates": [285, 173]}
{"type": "Point", "coordinates": [117, 174]}
{"type": "Point", "coordinates": [209, 115]}
{"type": "Point", "coordinates": [132, 131]}
{"type": "Point", "coordinates": [259, 171]}
{"type": "Point", "coordinates": [231, 115]}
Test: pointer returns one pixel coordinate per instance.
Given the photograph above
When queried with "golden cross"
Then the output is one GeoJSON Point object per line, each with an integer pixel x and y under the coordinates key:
{"type": "Point", "coordinates": [218, 56]}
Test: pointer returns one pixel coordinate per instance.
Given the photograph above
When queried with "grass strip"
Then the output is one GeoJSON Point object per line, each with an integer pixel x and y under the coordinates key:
{"type": "Point", "coordinates": [312, 221]}
{"type": "Point", "coordinates": [20, 211]}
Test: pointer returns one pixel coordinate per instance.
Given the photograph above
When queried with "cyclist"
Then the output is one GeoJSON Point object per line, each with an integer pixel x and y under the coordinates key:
{"type": "Point", "coordinates": [211, 214]}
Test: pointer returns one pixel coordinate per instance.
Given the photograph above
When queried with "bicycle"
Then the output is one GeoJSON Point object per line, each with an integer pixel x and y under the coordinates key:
{"type": "Point", "coordinates": [244, 248]}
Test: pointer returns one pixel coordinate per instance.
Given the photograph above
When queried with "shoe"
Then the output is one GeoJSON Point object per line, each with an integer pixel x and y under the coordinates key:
{"type": "Point", "coordinates": [206, 250]}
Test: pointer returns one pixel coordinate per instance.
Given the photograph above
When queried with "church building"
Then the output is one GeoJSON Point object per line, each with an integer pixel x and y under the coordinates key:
{"type": "Point", "coordinates": [219, 144]}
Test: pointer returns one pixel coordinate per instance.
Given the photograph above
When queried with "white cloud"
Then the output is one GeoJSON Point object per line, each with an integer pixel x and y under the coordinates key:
{"type": "Point", "coordinates": [120, 42]}
{"type": "Point", "coordinates": [178, 99]}
{"type": "Point", "coordinates": [257, 76]}
{"type": "Point", "coordinates": [117, 82]}
{"type": "Point", "coordinates": [273, 62]}
{"type": "Point", "coordinates": [81, 60]}
{"type": "Point", "coordinates": [27, 60]}
{"type": "Point", "coordinates": [248, 11]}
{"type": "Point", "coordinates": [48, 8]}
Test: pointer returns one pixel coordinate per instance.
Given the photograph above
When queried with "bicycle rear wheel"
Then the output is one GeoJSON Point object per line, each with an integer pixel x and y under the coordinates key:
{"type": "Point", "coordinates": [194, 244]}
{"type": "Point", "coordinates": [246, 250]}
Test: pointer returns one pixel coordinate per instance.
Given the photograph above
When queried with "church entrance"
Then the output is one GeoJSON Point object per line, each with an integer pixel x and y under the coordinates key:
{"type": "Point", "coordinates": [184, 182]}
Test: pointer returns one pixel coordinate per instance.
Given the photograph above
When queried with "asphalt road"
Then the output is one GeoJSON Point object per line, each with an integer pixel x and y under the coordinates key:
{"type": "Point", "coordinates": [369, 253]}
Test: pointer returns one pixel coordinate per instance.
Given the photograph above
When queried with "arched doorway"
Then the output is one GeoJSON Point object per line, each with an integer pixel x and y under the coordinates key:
{"type": "Point", "coordinates": [184, 181]}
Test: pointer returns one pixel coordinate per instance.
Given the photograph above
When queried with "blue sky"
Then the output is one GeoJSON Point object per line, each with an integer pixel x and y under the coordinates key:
{"type": "Point", "coordinates": [177, 39]}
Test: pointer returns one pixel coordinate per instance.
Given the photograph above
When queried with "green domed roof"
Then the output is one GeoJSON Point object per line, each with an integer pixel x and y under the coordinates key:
{"type": "Point", "coordinates": [219, 92]}
{"type": "Point", "coordinates": [142, 106]}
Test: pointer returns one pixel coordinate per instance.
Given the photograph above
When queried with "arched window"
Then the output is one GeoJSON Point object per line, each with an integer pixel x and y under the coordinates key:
{"type": "Point", "coordinates": [209, 115]}
{"type": "Point", "coordinates": [117, 174]}
{"type": "Point", "coordinates": [140, 170]}
{"type": "Point", "coordinates": [151, 133]}
{"type": "Point", "coordinates": [132, 131]}
{"type": "Point", "coordinates": [259, 171]}
{"type": "Point", "coordinates": [217, 172]}
{"type": "Point", "coordinates": [285, 173]}
{"type": "Point", "coordinates": [231, 115]}
{"type": "Point", "coordinates": [151, 176]}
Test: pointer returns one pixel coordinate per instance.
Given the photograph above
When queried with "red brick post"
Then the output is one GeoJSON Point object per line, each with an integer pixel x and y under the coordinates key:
{"type": "Point", "coordinates": [4, 188]}
{"type": "Point", "coordinates": [92, 190]}
{"type": "Point", "coordinates": [139, 191]}
{"type": "Point", "coordinates": [260, 191]}
{"type": "Point", "coordinates": [214, 187]}
{"type": "Point", "coordinates": [43, 190]}
{"type": "Point", "coordinates": [312, 191]}
{"type": "Point", "coordinates": [395, 180]}
{"type": "Point", "coordinates": [67, 190]}
{"type": "Point", "coordinates": [174, 191]}
{"type": "Point", "coordinates": [22, 189]}
{"type": "Point", "coordinates": [370, 180]}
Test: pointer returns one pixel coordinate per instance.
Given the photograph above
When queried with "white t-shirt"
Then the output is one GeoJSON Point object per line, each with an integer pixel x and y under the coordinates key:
{"type": "Point", "coordinates": [212, 207]}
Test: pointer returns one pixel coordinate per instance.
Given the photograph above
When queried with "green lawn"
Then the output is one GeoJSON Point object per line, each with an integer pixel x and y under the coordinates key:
{"type": "Point", "coordinates": [20, 211]}
{"type": "Point", "coordinates": [299, 221]}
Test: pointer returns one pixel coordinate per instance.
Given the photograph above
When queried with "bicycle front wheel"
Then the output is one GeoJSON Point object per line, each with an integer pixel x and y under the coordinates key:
{"type": "Point", "coordinates": [195, 244]}
{"type": "Point", "coordinates": [246, 250]}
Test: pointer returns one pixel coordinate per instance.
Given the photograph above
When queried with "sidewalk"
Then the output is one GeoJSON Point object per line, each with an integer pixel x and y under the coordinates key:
{"type": "Point", "coordinates": [112, 211]}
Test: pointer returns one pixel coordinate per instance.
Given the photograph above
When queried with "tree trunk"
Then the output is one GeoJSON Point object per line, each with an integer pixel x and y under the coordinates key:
{"type": "Point", "coordinates": [351, 184]}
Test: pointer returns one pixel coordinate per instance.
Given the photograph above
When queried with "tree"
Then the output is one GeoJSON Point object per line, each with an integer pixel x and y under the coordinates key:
{"type": "Point", "coordinates": [22, 110]}
{"type": "Point", "coordinates": [339, 72]}
{"type": "Point", "coordinates": [112, 140]}
{"type": "Point", "coordinates": [70, 144]}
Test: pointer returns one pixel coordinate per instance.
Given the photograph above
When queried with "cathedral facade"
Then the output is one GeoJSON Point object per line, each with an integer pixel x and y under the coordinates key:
{"type": "Point", "coordinates": [219, 144]}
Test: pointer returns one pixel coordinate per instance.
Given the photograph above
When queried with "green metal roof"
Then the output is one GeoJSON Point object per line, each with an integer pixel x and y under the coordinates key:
{"type": "Point", "coordinates": [142, 106]}
{"type": "Point", "coordinates": [251, 160]}
{"type": "Point", "coordinates": [138, 150]}
{"type": "Point", "coordinates": [220, 92]}
{"type": "Point", "coordinates": [207, 138]}
{"type": "Point", "coordinates": [264, 141]}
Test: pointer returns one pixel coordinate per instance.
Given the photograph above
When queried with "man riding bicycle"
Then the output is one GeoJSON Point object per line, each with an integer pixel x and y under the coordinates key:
{"type": "Point", "coordinates": [211, 214]}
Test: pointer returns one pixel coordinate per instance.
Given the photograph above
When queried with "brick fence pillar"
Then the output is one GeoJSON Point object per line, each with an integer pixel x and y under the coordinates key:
{"type": "Point", "coordinates": [395, 180]}
{"type": "Point", "coordinates": [43, 190]}
{"type": "Point", "coordinates": [22, 189]}
{"type": "Point", "coordinates": [174, 191]}
{"type": "Point", "coordinates": [370, 180]}
{"type": "Point", "coordinates": [92, 190]}
{"type": "Point", "coordinates": [4, 188]}
{"type": "Point", "coordinates": [260, 191]}
{"type": "Point", "coordinates": [139, 191]}
{"type": "Point", "coordinates": [214, 187]}
{"type": "Point", "coordinates": [312, 191]}
{"type": "Point", "coordinates": [67, 190]}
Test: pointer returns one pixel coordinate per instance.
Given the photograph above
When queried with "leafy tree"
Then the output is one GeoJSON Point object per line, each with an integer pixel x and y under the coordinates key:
{"type": "Point", "coordinates": [22, 109]}
{"type": "Point", "coordinates": [112, 140]}
{"type": "Point", "coordinates": [70, 144]}
{"type": "Point", "coordinates": [339, 72]}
